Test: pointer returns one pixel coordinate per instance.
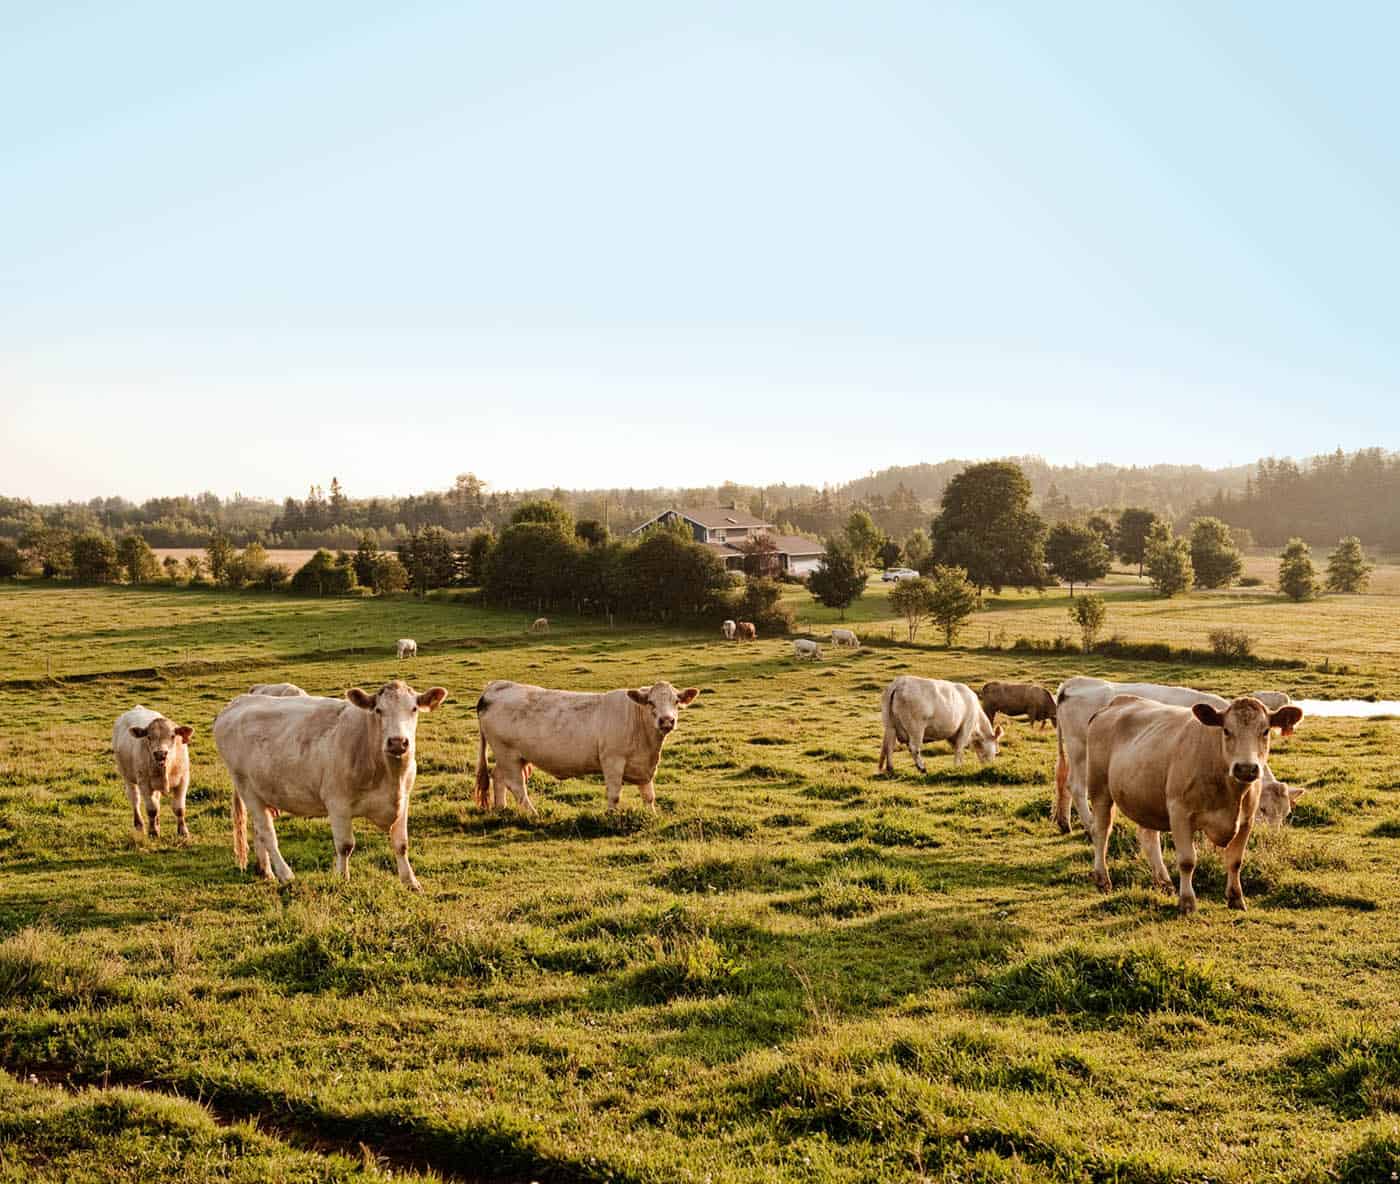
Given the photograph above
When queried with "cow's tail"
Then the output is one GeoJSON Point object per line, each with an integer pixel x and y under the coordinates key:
{"type": "Point", "coordinates": [483, 773]}
{"type": "Point", "coordinates": [240, 831]}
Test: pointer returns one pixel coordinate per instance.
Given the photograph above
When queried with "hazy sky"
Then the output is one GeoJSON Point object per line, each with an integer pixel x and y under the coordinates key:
{"type": "Point", "coordinates": [245, 246]}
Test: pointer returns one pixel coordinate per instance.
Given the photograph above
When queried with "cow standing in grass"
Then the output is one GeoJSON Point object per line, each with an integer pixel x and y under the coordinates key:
{"type": "Point", "coordinates": [915, 711]}
{"type": "Point", "coordinates": [317, 758]}
{"type": "Point", "coordinates": [1018, 698]}
{"type": "Point", "coordinates": [573, 734]}
{"type": "Point", "coordinates": [153, 758]}
{"type": "Point", "coordinates": [1181, 769]}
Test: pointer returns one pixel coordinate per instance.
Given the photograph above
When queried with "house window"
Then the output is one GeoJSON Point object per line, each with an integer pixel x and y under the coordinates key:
{"type": "Point", "coordinates": [717, 536]}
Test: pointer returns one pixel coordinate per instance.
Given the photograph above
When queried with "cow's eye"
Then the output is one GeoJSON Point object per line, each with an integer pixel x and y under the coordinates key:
{"type": "Point", "coordinates": [415, 710]}
{"type": "Point", "coordinates": [378, 711]}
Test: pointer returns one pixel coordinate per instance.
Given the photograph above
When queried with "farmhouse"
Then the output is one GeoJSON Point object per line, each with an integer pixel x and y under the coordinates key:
{"type": "Point", "coordinates": [725, 530]}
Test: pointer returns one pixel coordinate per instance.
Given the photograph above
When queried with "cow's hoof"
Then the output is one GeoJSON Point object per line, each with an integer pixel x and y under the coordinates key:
{"type": "Point", "coordinates": [1237, 902]}
{"type": "Point", "coordinates": [1165, 887]}
{"type": "Point", "coordinates": [1103, 883]}
{"type": "Point", "coordinates": [1063, 824]}
{"type": "Point", "coordinates": [1187, 905]}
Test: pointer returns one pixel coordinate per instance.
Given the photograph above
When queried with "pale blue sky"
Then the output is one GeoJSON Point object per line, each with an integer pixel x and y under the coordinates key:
{"type": "Point", "coordinates": [245, 246]}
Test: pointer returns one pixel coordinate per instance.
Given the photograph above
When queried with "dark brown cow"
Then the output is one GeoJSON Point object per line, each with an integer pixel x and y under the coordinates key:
{"type": "Point", "coordinates": [747, 632]}
{"type": "Point", "coordinates": [1018, 698]}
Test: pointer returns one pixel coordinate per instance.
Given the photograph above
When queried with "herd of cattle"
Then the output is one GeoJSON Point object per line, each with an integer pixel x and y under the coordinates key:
{"type": "Point", "coordinates": [1170, 758]}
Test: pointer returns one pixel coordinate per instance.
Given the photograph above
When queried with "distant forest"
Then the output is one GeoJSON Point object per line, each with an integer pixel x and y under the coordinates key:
{"type": "Point", "coordinates": [1320, 499]}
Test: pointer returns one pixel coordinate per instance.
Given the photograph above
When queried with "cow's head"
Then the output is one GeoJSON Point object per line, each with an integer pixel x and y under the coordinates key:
{"type": "Point", "coordinates": [663, 702]}
{"type": "Point", "coordinates": [1244, 734]}
{"type": "Point", "coordinates": [1276, 802]}
{"type": "Point", "coordinates": [394, 721]}
{"type": "Point", "coordinates": [163, 740]}
{"type": "Point", "coordinates": [984, 743]}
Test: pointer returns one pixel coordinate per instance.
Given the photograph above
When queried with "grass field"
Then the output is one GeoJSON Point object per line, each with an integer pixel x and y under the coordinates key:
{"type": "Point", "coordinates": [798, 971]}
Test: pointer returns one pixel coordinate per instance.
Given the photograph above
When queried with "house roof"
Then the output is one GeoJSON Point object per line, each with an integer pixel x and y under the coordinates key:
{"type": "Point", "coordinates": [712, 518]}
{"type": "Point", "coordinates": [793, 544]}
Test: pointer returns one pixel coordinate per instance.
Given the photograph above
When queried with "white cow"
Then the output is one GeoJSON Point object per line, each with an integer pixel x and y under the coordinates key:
{"type": "Point", "coordinates": [845, 637]}
{"type": "Point", "coordinates": [406, 647]}
{"type": "Point", "coordinates": [540, 625]}
{"type": "Point", "coordinates": [728, 629]}
{"type": "Point", "coordinates": [573, 734]}
{"type": "Point", "coordinates": [1077, 700]}
{"type": "Point", "coordinates": [317, 758]}
{"type": "Point", "coordinates": [803, 647]}
{"type": "Point", "coordinates": [153, 757]}
{"type": "Point", "coordinates": [916, 710]}
{"type": "Point", "coordinates": [276, 689]}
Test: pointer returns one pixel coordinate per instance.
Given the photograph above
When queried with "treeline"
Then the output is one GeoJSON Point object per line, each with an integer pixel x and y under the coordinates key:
{"type": "Point", "coordinates": [1323, 499]}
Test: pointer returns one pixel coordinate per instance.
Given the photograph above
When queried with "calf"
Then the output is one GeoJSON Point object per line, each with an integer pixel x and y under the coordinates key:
{"type": "Point", "coordinates": [917, 710]}
{"type": "Point", "coordinates": [1276, 802]}
{"type": "Point", "coordinates": [573, 734]}
{"type": "Point", "coordinates": [747, 632]}
{"type": "Point", "coordinates": [804, 648]}
{"type": "Point", "coordinates": [1076, 702]}
{"type": "Point", "coordinates": [845, 637]}
{"type": "Point", "coordinates": [1181, 769]}
{"type": "Point", "coordinates": [406, 648]}
{"type": "Point", "coordinates": [1018, 698]}
{"type": "Point", "coordinates": [340, 759]}
{"type": "Point", "coordinates": [153, 757]}
{"type": "Point", "coordinates": [728, 629]}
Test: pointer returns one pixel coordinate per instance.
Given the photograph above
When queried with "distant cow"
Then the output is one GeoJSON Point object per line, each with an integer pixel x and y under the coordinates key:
{"type": "Point", "coordinates": [802, 647]}
{"type": "Point", "coordinates": [153, 757]}
{"type": "Point", "coordinates": [277, 689]}
{"type": "Point", "coordinates": [1276, 801]}
{"type": "Point", "coordinates": [845, 637]}
{"type": "Point", "coordinates": [407, 648]}
{"type": "Point", "coordinates": [1181, 769]}
{"type": "Point", "coordinates": [316, 758]}
{"type": "Point", "coordinates": [728, 629]}
{"type": "Point", "coordinates": [747, 632]}
{"type": "Point", "coordinates": [540, 625]}
{"type": "Point", "coordinates": [915, 711]}
{"type": "Point", "coordinates": [573, 734]}
{"type": "Point", "coordinates": [1018, 698]}
{"type": "Point", "coordinates": [1076, 702]}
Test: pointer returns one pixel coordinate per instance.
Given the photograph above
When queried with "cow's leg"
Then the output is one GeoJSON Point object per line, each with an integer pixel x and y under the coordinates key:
{"type": "Point", "coordinates": [343, 834]}
{"type": "Point", "coordinates": [137, 823]}
{"type": "Point", "coordinates": [1100, 826]}
{"type": "Point", "coordinates": [1184, 836]}
{"type": "Point", "coordinates": [648, 789]}
{"type": "Point", "coordinates": [398, 840]}
{"type": "Point", "coordinates": [1060, 812]}
{"type": "Point", "coordinates": [151, 802]}
{"type": "Point", "coordinates": [1234, 860]}
{"type": "Point", "coordinates": [1151, 843]}
{"type": "Point", "coordinates": [1078, 787]}
{"type": "Point", "coordinates": [177, 800]}
{"type": "Point", "coordinates": [916, 745]}
{"type": "Point", "coordinates": [265, 838]}
{"type": "Point", "coordinates": [613, 771]}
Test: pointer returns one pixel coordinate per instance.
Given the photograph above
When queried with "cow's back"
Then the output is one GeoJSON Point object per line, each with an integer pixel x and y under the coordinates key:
{"type": "Point", "coordinates": [287, 747]}
{"type": "Point", "coordinates": [938, 706]}
{"type": "Point", "coordinates": [562, 732]}
{"type": "Point", "coordinates": [1136, 744]}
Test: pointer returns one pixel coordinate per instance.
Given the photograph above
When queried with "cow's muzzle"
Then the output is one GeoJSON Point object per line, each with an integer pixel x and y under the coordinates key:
{"type": "Point", "coordinates": [158, 757]}
{"type": "Point", "coordinates": [1245, 774]}
{"type": "Point", "coordinates": [665, 725]}
{"type": "Point", "coordinates": [396, 746]}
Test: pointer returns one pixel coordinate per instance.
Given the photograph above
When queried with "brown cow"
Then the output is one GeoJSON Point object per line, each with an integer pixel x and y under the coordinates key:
{"type": "Point", "coordinates": [1018, 698]}
{"type": "Point", "coordinates": [1181, 769]}
{"type": "Point", "coordinates": [747, 632]}
{"type": "Point", "coordinates": [572, 734]}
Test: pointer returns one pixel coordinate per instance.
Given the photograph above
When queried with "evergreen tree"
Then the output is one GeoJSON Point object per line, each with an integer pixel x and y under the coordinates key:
{"type": "Point", "coordinates": [1297, 579]}
{"type": "Point", "coordinates": [1347, 567]}
{"type": "Point", "coordinates": [839, 578]}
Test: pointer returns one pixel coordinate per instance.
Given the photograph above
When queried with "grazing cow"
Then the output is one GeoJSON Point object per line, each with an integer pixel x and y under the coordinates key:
{"type": "Point", "coordinates": [728, 629]}
{"type": "Point", "coordinates": [1276, 802]}
{"type": "Point", "coordinates": [1181, 769]}
{"type": "Point", "coordinates": [317, 758]}
{"type": "Point", "coordinates": [153, 757]}
{"type": "Point", "coordinates": [803, 647]}
{"type": "Point", "coordinates": [573, 734]}
{"type": "Point", "coordinates": [917, 710]}
{"type": "Point", "coordinates": [747, 632]}
{"type": "Point", "coordinates": [277, 689]}
{"type": "Point", "coordinates": [1018, 698]}
{"type": "Point", "coordinates": [407, 648]}
{"type": "Point", "coordinates": [1273, 700]}
{"type": "Point", "coordinates": [1076, 702]}
{"type": "Point", "coordinates": [845, 637]}
{"type": "Point", "coordinates": [539, 625]}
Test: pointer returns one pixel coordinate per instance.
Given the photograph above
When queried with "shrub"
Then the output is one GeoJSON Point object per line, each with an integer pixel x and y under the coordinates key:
{"type": "Point", "coordinates": [951, 600]}
{"type": "Point", "coordinates": [324, 574]}
{"type": "Point", "coordinates": [761, 603]}
{"type": "Point", "coordinates": [1231, 644]}
{"type": "Point", "coordinates": [1251, 582]}
{"type": "Point", "coordinates": [10, 561]}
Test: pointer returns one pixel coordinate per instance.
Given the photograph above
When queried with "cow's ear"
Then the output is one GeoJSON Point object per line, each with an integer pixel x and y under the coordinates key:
{"type": "Point", "coordinates": [638, 696]}
{"type": "Point", "coordinates": [687, 696]}
{"type": "Point", "coordinates": [1208, 715]}
{"type": "Point", "coordinates": [184, 731]}
{"type": "Point", "coordinates": [429, 700]}
{"type": "Point", "coordinates": [998, 732]}
{"type": "Point", "coordinates": [139, 733]}
{"type": "Point", "coordinates": [360, 698]}
{"type": "Point", "coordinates": [1286, 718]}
{"type": "Point", "coordinates": [1294, 793]}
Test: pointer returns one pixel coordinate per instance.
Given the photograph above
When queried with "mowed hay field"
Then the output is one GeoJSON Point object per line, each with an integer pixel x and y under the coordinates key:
{"type": "Point", "coordinates": [797, 971]}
